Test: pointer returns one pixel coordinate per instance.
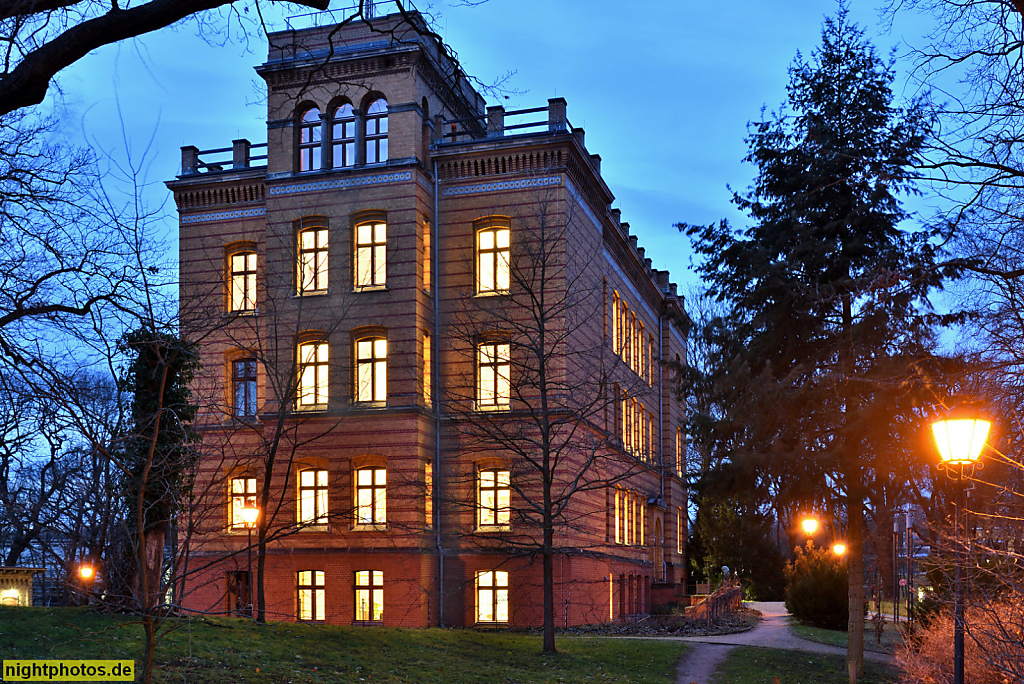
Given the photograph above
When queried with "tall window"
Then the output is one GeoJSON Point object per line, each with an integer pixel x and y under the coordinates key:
{"type": "Point", "coordinates": [428, 487]}
{"type": "Point", "coordinates": [369, 596]}
{"type": "Point", "coordinates": [243, 388]}
{"type": "Point", "coordinates": [313, 260]}
{"type": "Point", "coordinates": [494, 391]}
{"type": "Point", "coordinates": [426, 256]}
{"type": "Point", "coordinates": [679, 530]}
{"type": "Point", "coordinates": [309, 140]}
{"type": "Point", "coordinates": [492, 249]}
{"type": "Point", "coordinates": [427, 380]}
{"type": "Point", "coordinates": [617, 522]}
{"type": "Point", "coordinates": [312, 390]}
{"type": "Point", "coordinates": [371, 496]}
{"type": "Point", "coordinates": [242, 281]}
{"type": "Point", "coordinates": [371, 251]}
{"type": "Point", "coordinates": [377, 132]}
{"type": "Point", "coordinates": [372, 369]}
{"type": "Point", "coordinates": [312, 599]}
{"type": "Point", "coordinates": [494, 498]}
{"type": "Point", "coordinates": [492, 596]}
{"type": "Point", "coordinates": [679, 451]}
{"type": "Point", "coordinates": [243, 491]}
{"type": "Point", "coordinates": [343, 137]}
{"type": "Point", "coordinates": [313, 497]}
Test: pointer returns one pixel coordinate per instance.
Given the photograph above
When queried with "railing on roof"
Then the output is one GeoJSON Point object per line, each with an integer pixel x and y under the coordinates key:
{"type": "Point", "coordinates": [193, 162]}
{"type": "Point", "coordinates": [337, 15]}
{"type": "Point", "coordinates": [497, 123]}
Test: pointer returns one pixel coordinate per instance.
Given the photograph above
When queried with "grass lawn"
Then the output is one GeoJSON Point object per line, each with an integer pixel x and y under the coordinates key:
{"type": "Point", "coordinates": [753, 665]}
{"type": "Point", "coordinates": [891, 636]}
{"type": "Point", "coordinates": [216, 650]}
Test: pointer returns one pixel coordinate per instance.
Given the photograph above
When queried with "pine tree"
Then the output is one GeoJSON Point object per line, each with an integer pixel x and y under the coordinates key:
{"type": "Point", "coordinates": [827, 292]}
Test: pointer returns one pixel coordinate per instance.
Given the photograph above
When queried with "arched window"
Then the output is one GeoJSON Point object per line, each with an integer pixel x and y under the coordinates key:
{"type": "Point", "coordinates": [309, 140]}
{"type": "Point", "coordinates": [242, 281]}
{"type": "Point", "coordinates": [493, 274]}
{"type": "Point", "coordinates": [377, 132]}
{"type": "Point", "coordinates": [343, 136]}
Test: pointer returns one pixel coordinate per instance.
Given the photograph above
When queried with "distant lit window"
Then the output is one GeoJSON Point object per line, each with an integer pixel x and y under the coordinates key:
{"type": "Point", "coordinates": [242, 281]}
{"type": "Point", "coordinates": [428, 487]}
{"type": "Point", "coordinates": [371, 496]}
{"type": "Point", "coordinates": [312, 389]}
{"type": "Point", "coordinates": [377, 132]}
{"type": "Point", "coordinates": [243, 388]}
{"type": "Point", "coordinates": [492, 249]}
{"type": "Point", "coordinates": [494, 390]}
{"type": "Point", "coordinates": [426, 369]}
{"type": "Point", "coordinates": [492, 596]}
{"type": "Point", "coordinates": [313, 260]}
{"type": "Point", "coordinates": [372, 369]}
{"type": "Point", "coordinates": [313, 497]}
{"type": "Point", "coordinates": [371, 254]}
{"type": "Point", "coordinates": [312, 599]}
{"type": "Point", "coordinates": [343, 136]}
{"type": "Point", "coordinates": [494, 498]}
{"type": "Point", "coordinates": [243, 493]}
{"type": "Point", "coordinates": [309, 140]}
{"type": "Point", "coordinates": [369, 596]}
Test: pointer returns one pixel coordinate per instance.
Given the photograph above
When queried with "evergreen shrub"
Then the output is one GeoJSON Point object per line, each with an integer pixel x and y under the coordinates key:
{"type": "Point", "coordinates": [816, 588]}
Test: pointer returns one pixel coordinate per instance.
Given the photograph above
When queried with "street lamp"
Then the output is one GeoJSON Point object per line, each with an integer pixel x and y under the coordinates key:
{"type": "Point", "coordinates": [86, 575]}
{"type": "Point", "coordinates": [960, 438]}
{"type": "Point", "coordinates": [839, 548]}
{"type": "Point", "coordinates": [809, 525]}
{"type": "Point", "coordinates": [250, 513]}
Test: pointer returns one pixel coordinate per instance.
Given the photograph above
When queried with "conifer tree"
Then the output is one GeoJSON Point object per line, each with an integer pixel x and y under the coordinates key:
{"type": "Point", "coordinates": [826, 290]}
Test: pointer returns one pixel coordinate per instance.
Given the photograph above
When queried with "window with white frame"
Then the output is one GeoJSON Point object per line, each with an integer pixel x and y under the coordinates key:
{"type": "Point", "coordinates": [309, 140]}
{"type": "Point", "coordinates": [369, 596]}
{"type": "Point", "coordinates": [493, 274]}
{"type": "Point", "coordinates": [313, 497]}
{"type": "Point", "coordinates": [492, 596]}
{"type": "Point", "coordinates": [313, 251]}
{"type": "Point", "coordinates": [371, 254]}
{"type": "Point", "coordinates": [494, 494]}
{"type": "Point", "coordinates": [242, 281]}
{"type": "Point", "coordinates": [371, 496]}
{"type": "Point", "coordinates": [494, 389]}
{"type": "Point", "coordinates": [343, 136]}
{"type": "Point", "coordinates": [371, 369]}
{"type": "Point", "coordinates": [377, 132]}
{"type": "Point", "coordinates": [313, 371]}
{"type": "Point", "coordinates": [312, 599]}
{"type": "Point", "coordinates": [243, 493]}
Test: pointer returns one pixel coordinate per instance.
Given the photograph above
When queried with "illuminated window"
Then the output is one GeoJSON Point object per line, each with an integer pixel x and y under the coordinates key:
{"type": "Point", "coordinates": [494, 498]}
{"type": "Point", "coordinates": [494, 390]}
{"type": "Point", "coordinates": [243, 388]}
{"type": "Point", "coordinates": [369, 596]}
{"type": "Point", "coordinates": [343, 137]}
{"type": "Point", "coordinates": [426, 256]}
{"type": "Point", "coordinates": [371, 496]}
{"type": "Point", "coordinates": [616, 333]}
{"type": "Point", "coordinates": [309, 140]}
{"type": "Point", "coordinates": [243, 491]}
{"type": "Point", "coordinates": [377, 132]}
{"type": "Point", "coordinates": [372, 369]}
{"type": "Point", "coordinates": [492, 596]}
{"type": "Point", "coordinates": [313, 260]}
{"type": "Point", "coordinates": [371, 250]}
{"type": "Point", "coordinates": [619, 516]}
{"type": "Point", "coordinates": [679, 451]}
{"type": "Point", "coordinates": [641, 522]}
{"type": "Point", "coordinates": [242, 281]}
{"type": "Point", "coordinates": [312, 390]}
{"type": "Point", "coordinates": [427, 380]}
{"type": "Point", "coordinates": [428, 488]}
{"type": "Point", "coordinates": [492, 249]}
{"type": "Point", "coordinates": [312, 497]}
{"type": "Point", "coordinates": [312, 599]}
{"type": "Point", "coordinates": [680, 527]}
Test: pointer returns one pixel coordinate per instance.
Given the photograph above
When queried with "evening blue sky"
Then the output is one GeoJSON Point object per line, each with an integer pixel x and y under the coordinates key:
{"type": "Point", "coordinates": [664, 90]}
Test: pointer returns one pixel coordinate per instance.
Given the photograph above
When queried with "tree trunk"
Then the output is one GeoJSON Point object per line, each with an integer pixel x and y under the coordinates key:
{"type": "Point", "coordinates": [549, 589]}
{"type": "Point", "coordinates": [261, 558]}
{"type": "Point", "coordinates": [855, 570]}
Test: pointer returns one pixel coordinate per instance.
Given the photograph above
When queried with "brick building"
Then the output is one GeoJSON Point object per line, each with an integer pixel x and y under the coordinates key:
{"type": "Point", "coordinates": [416, 309]}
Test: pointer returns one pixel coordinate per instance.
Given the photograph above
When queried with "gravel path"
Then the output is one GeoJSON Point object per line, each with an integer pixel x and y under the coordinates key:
{"type": "Point", "coordinates": [773, 632]}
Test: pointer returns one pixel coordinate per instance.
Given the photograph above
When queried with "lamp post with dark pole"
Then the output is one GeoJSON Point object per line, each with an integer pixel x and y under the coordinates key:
{"type": "Point", "coordinates": [960, 439]}
{"type": "Point", "coordinates": [250, 513]}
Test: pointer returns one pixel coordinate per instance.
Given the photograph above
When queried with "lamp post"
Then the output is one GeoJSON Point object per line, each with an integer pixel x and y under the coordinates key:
{"type": "Point", "coordinates": [250, 513]}
{"type": "Point", "coordinates": [839, 548]}
{"type": "Point", "coordinates": [809, 525]}
{"type": "Point", "coordinates": [86, 574]}
{"type": "Point", "coordinates": [960, 438]}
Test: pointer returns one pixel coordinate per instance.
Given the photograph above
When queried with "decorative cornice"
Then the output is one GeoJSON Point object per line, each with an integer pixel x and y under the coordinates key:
{"type": "Point", "coordinates": [502, 185]}
{"type": "Point", "coordinates": [224, 215]}
{"type": "Point", "coordinates": [339, 183]}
